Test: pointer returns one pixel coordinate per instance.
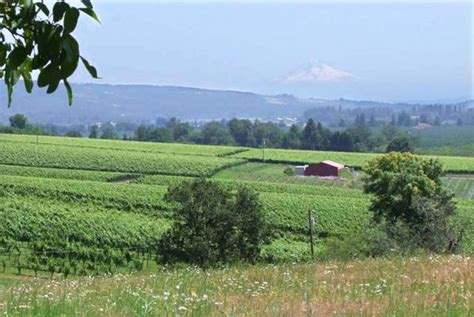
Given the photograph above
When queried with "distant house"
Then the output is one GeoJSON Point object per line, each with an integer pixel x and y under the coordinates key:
{"type": "Point", "coordinates": [422, 126]}
{"type": "Point", "coordinates": [323, 169]}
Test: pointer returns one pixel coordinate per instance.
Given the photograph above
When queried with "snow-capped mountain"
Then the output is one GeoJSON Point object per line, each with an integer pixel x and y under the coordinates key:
{"type": "Point", "coordinates": [316, 70]}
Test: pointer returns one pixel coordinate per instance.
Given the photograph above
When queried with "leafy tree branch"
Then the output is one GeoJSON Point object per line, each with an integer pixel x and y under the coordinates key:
{"type": "Point", "coordinates": [35, 37]}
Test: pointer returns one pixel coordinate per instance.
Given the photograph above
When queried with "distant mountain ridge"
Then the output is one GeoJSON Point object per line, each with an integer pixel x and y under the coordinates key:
{"type": "Point", "coordinates": [102, 102]}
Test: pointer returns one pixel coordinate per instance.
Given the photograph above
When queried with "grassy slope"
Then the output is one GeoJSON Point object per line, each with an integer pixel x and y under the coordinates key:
{"type": "Point", "coordinates": [425, 286]}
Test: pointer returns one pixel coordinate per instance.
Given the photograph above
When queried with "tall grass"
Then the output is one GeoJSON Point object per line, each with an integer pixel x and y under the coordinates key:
{"type": "Point", "coordinates": [424, 286]}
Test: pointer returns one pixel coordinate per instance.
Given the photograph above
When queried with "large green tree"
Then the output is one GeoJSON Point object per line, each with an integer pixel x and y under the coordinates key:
{"type": "Point", "coordinates": [216, 134]}
{"type": "Point", "coordinates": [401, 143]}
{"type": "Point", "coordinates": [18, 121]}
{"type": "Point", "coordinates": [213, 225]}
{"type": "Point", "coordinates": [410, 200]}
{"type": "Point", "coordinates": [37, 38]}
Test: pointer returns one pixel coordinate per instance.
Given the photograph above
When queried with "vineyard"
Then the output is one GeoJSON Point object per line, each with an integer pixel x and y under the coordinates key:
{"type": "Point", "coordinates": [357, 160]}
{"type": "Point", "coordinates": [462, 186]}
{"type": "Point", "coordinates": [68, 157]}
{"type": "Point", "coordinates": [146, 147]}
{"type": "Point", "coordinates": [78, 206]}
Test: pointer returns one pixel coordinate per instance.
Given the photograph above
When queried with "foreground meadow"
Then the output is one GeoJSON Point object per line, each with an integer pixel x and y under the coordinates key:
{"type": "Point", "coordinates": [416, 286]}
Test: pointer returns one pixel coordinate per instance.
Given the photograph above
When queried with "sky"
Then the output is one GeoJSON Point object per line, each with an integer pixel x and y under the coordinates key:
{"type": "Point", "coordinates": [393, 51]}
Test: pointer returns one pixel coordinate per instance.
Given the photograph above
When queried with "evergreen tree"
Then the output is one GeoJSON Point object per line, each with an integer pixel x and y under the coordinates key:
{"type": "Point", "coordinates": [360, 120]}
{"type": "Point", "coordinates": [372, 122]}
{"type": "Point", "coordinates": [323, 137]}
{"type": "Point", "coordinates": [292, 139]}
{"type": "Point", "coordinates": [94, 134]}
{"type": "Point", "coordinates": [393, 122]}
{"type": "Point", "coordinates": [342, 141]}
{"type": "Point", "coordinates": [309, 136]}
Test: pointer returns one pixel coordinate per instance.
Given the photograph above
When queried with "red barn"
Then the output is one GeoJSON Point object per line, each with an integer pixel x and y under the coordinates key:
{"type": "Point", "coordinates": [325, 168]}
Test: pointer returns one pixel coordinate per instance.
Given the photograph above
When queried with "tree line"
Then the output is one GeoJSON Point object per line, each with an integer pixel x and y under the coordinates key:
{"type": "Point", "coordinates": [247, 133]}
{"type": "Point", "coordinates": [400, 115]}
{"type": "Point", "coordinates": [239, 132]}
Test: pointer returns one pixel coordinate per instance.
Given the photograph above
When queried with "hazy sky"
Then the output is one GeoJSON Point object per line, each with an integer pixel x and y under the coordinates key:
{"type": "Point", "coordinates": [397, 51]}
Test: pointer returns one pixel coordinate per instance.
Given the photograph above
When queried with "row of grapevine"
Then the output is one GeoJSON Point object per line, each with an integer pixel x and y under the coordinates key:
{"type": "Point", "coordinates": [463, 187]}
{"type": "Point", "coordinates": [138, 198]}
{"type": "Point", "coordinates": [271, 187]}
{"type": "Point", "coordinates": [338, 209]}
{"type": "Point", "coordinates": [147, 147]}
{"type": "Point", "coordinates": [56, 156]}
{"type": "Point", "coordinates": [167, 180]}
{"type": "Point", "coordinates": [37, 234]}
{"type": "Point", "coordinates": [286, 210]}
{"type": "Point", "coordinates": [58, 173]}
{"type": "Point", "coordinates": [333, 215]}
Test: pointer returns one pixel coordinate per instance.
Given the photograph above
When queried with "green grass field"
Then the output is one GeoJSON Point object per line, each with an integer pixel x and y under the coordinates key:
{"type": "Point", "coordinates": [262, 172]}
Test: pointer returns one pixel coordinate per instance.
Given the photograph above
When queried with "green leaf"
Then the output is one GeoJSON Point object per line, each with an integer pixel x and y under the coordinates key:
{"type": "Point", "coordinates": [52, 87]}
{"type": "Point", "coordinates": [58, 10]}
{"type": "Point", "coordinates": [26, 74]}
{"type": "Point", "coordinates": [10, 94]}
{"type": "Point", "coordinates": [71, 47]}
{"type": "Point", "coordinates": [70, 20]}
{"type": "Point", "coordinates": [3, 54]}
{"type": "Point", "coordinates": [17, 56]}
{"type": "Point", "coordinates": [28, 81]}
{"type": "Point", "coordinates": [11, 78]}
{"type": "Point", "coordinates": [87, 3]}
{"type": "Point", "coordinates": [43, 8]}
{"type": "Point", "coordinates": [27, 3]}
{"type": "Point", "coordinates": [48, 75]}
{"type": "Point", "coordinates": [91, 69]}
{"type": "Point", "coordinates": [90, 12]}
{"type": "Point", "coordinates": [68, 91]}
{"type": "Point", "coordinates": [69, 67]}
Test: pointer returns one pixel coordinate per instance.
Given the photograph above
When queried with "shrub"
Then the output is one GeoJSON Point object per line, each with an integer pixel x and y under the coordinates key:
{"type": "Point", "coordinates": [290, 171]}
{"type": "Point", "coordinates": [411, 202]}
{"type": "Point", "coordinates": [213, 225]}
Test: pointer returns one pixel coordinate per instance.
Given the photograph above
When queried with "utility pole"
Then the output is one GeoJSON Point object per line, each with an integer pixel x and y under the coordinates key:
{"type": "Point", "coordinates": [264, 150]}
{"type": "Point", "coordinates": [311, 225]}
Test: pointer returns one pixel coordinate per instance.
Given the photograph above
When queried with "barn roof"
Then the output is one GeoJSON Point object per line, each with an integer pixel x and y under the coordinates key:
{"type": "Point", "coordinates": [337, 165]}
